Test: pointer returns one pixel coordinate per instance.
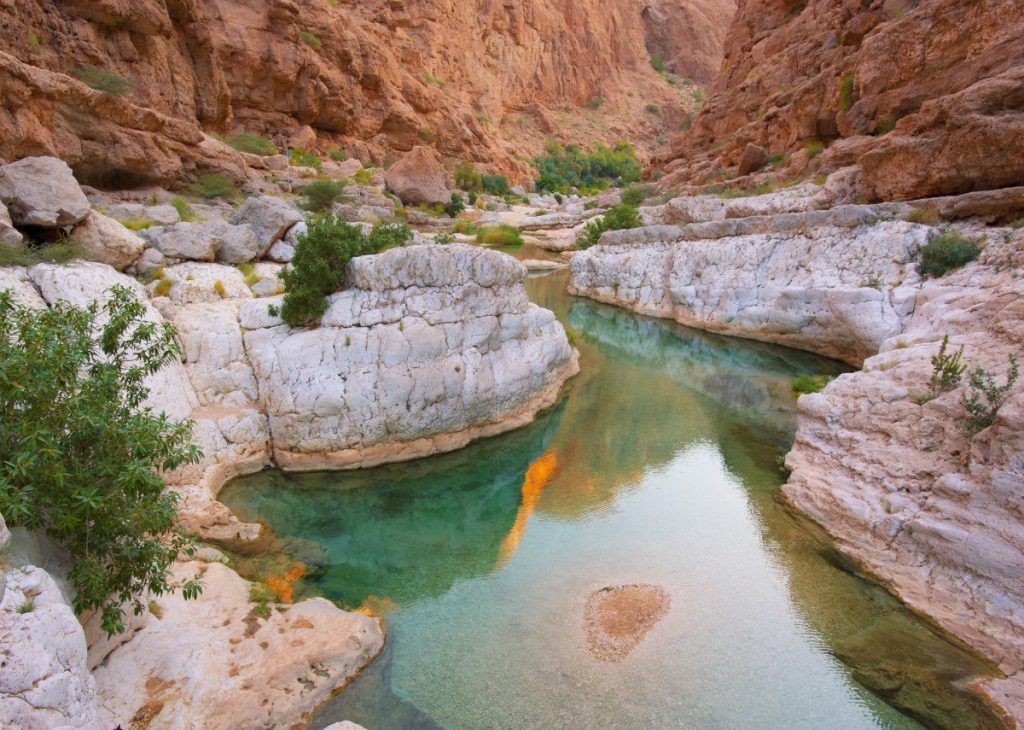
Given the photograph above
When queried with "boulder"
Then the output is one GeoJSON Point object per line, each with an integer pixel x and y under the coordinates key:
{"type": "Point", "coordinates": [45, 681]}
{"type": "Point", "coordinates": [43, 192]}
{"type": "Point", "coordinates": [105, 240]}
{"type": "Point", "coordinates": [269, 217]}
{"type": "Point", "coordinates": [303, 138]}
{"type": "Point", "coordinates": [753, 159]}
{"type": "Point", "coordinates": [161, 215]}
{"type": "Point", "coordinates": [239, 244]}
{"type": "Point", "coordinates": [419, 178]}
{"type": "Point", "coordinates": [278, 163]}
{"type": "Point", "coordinates": [343, 169]}
{"type": "Point", "coordinates": [10, 237]}
{"type": "Point", "coordinates": [195, 241]}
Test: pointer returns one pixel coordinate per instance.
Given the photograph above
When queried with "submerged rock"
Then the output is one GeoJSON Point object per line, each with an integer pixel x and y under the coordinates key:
{"type": "Point", "coordinates": [616, 619]}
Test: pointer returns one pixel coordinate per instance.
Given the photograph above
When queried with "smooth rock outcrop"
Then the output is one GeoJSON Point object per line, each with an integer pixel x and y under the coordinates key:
{"type": "Point", "coordinates": [198, 241]}
{"type": "Point", "coordinates": [429, 348]}
{"type": "Point", "coordinates": [836, 291]}
{"type": "Point", "coordinates": [887, 469]}
{"type": "Point", "coordinates": [45, 682]}
{"type": "Point", "coordinates": [160, 215]}
{"type": "Point", "coordinates": [105, 240]}
{"type": "Point", "coordinates": [419, 178]}
{"type": "Point", "coordinates": [43, 192]}
{"type": "Point", "coordinates": [212, 663]}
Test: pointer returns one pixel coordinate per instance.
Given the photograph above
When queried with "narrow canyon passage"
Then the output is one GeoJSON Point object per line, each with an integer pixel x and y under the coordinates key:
{"type": "Point", "coordinates": [658, 467]}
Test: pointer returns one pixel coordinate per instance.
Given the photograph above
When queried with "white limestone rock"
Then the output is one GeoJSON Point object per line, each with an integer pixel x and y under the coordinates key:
{"type": "Point", "coordinates": [160, 215]}
{"type": "Point", "coordinates": [23, 291]}
{"type": "Point", "coordinates": [836, 291]}
{"type": "Point", "coordinates": [430, 347]}
{"type": "Point", "coordinates": [194, 282]}
{"type": "Point", "coordinates": [238, 244]}
{"type": "Point", "coordinates": [211, 663]}
{"type": "Point", "coordinates": [105, 240]}
{"type": "Point", "coordinates": [934, 514]}
{"type": "Point", "coordinates": [45, 682]}
{"type": "Point", "coordinates": [10, 237]}
{"type": "Point", "coordinates": [269, 217]}
{"type": "Point", "coordinates": [42, 191]}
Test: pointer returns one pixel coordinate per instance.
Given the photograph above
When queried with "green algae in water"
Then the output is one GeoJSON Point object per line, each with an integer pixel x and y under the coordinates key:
{"type": "Point", "coordinates": [658, 467]}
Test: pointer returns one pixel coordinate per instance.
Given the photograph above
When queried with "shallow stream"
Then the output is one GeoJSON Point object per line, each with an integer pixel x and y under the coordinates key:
{"type": "Point", "coordinates": [659, 466]}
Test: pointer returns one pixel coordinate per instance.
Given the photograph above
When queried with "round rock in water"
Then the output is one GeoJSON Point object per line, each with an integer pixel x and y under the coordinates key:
{"type": "Point", "coordinates": [617, 618]}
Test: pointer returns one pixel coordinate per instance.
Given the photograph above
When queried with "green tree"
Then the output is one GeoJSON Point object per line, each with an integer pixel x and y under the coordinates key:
{"type": "Point", "coordinates": [81, 455]}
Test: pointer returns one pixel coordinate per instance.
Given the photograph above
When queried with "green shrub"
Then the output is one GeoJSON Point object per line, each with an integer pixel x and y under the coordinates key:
{"type": "Point", "coordinates": [456, 206]}
{"type": "Point", "coordinates": [338, 155]}
{"type": "Point", "coordinates": [500, 235]}
{"type": "Point", "coordinates": [813, 149]}
{"type": "Point", "coordinates": [467, 178]}
{"type": "Point", "coordinates": [596, 103]}
{"type": "Point", "coordinates": [563, 168]}
{"type": "Point", "coordinates": [82, 456]}
{"type": "Point", "coordinates": [494, 184]}
{"type": "Point", "coordinates": [657, 64]}
{"type": "Point", "coordinates": [652, 108]}
{"type": "Point", "coordinates": [472, 197]}
{"type": "Point", "coordinates": [617, 218]}
{"type": "Point", "coordinates": [30, 255]}
{"type": "Point", "coordinates": [946, 253]}
{"type": "Point", "coordinates": [811, 383]}
{"type": "Point", "coordinates": [434, 81]}
{"type": "Point", "coordinates": [185, 211]}
{"type": "Point", "coordinates": [847, 93]}
{"type": "Point", "coordinates": [252, 143]}
{"type": "Point", "coordinates": [321, 256]}
{"type": "Point", "coordinates": [885, 125]}
{"type": "Point", "coordinates": [310, 39]}
{"type": "Point", "coordinates": [103, 80]}
{"type": "Point", "coordinates": [637, 194]}
{"type": "Point", "coordinates": [305, 158]}
{"type": "Point", "coordinates": [137, 224]}
{"type": "Point", "coordinates": [213, 186]}
{"type": "Point", "coordinates": [465, 227]}
{"type": "Point", "coordinates": [444, 238]}
{"type": "Point", "coordinates": [983, 400]}
{"type": "Point", "coordinates": [946, 369]}
{"type": "Point", "coordinates": [559, 198]}
{"type": "Point", "coordinates": [322, 194]}
{"type": "Point", "coordinates": [363, 177]}
{"type": "Point", "coordinates": [924, 215]}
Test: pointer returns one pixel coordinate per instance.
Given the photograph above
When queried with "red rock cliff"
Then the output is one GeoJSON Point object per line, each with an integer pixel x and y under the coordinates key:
{"type": "Point", "coordinates": [482, 79]}
{"type": "Point", "coordinates": [928, 96]}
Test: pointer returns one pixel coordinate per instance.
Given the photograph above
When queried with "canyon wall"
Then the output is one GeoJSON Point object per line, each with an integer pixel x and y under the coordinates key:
{"type": "Point", "coordinates": [484, 80]}
{"type": "Point", "coordinates": [928, 97]}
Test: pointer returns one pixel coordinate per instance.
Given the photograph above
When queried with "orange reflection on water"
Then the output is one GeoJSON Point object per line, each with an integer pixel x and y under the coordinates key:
{"type": "Point", "coordinates": [538, 476]}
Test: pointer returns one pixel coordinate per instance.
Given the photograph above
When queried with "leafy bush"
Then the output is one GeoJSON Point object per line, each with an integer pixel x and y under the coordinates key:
{"type": "Point", "coordinates": [467, 178]}
{"type": "Point", "coordinates": [983, 400]}
{"type": "Point", "coordinates": [252, 143]}
{"type": "Point", "coordinates": [561, 169]}
{"type": "Point", "coordinates": [559, 199]}
{"type": "Point", "coordinates": [615, 219]}
{"type": "Point", "coordinates": [310, 39]}
{"type": "Point", "coordinates": [322, 194]}
{"type": "Point", "coordinates": [338, 155]}
{"type": "Point", "coordinates": [305, 158]}
{"type": "Point", "coordinates": [652, 108]}
{"type": "Point", "coordinates": [465, 227]}
{"type": "Point", "coordinates": [213, 186]}
{"type": "Point", "coordinates": [946, 369]}
{"type": "Point", "coordinates": [495, 184]}
{"type": "Point", "coordinates": [596, 103]}
{"type": "Point", "coordinates": [82, 456]}
{"type": "Point", "coordinates": [363, 177]}
{"type": "Point", "coordinates": [946, 253]}
{"type": "Point", "coordinates": [657, 64]}
{"type": "Point", "coordinates": [636, 194]}
{"type": "Point", "coordinates": [426, 134]}
{"type": "Point", "coordinates": [103, 80]}
{"type": "Point", "coordinates": [811, 383]}
{"type": "Point", "coordinates": [444, 238]}
{"type": "Point", "coordinates": [321, 256]}
{"type": "Point", "coordinates": [456, 206]}
{"type": "Point", "coordinates": [185, 211]}
{"type": "Point", "coordinates": [500, 235]}
{"type": "Point", "coordinates": [472, 198]}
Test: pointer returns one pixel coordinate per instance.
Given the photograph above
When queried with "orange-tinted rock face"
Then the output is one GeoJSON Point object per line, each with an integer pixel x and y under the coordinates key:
{"type": "Point", "coordinates": [927, 96]}
{"type": "Point", "coordinates": [485, 79]}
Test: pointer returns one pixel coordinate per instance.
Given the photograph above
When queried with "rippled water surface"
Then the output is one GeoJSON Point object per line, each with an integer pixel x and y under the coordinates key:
{"type": "Point", "coordinates": [659, 466]}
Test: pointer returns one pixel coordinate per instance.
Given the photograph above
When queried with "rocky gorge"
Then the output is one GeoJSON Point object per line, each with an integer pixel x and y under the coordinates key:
{"type": "Point", "coordinates": [799, 210]}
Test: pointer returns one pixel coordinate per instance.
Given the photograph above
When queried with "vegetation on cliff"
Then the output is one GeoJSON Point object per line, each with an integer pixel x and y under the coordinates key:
{"type": "Point", "coordinates": [82, 454]}
{"type": "Point", "coordinates": [563, 168]}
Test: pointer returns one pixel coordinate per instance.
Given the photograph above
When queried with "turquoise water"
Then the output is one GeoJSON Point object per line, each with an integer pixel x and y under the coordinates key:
{"type": "Point", "coordinates": [659, 466]}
